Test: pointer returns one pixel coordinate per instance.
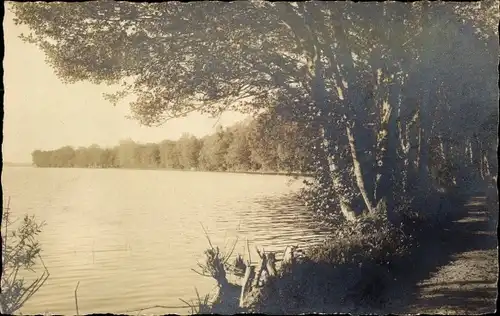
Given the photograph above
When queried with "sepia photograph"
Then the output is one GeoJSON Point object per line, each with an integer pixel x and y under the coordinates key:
{"type": "Point", "coordinates": [239, 157]}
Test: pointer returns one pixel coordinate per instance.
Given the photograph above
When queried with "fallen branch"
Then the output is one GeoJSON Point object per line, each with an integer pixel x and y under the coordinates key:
{"type": "Point", "coordinates": [246, 284]}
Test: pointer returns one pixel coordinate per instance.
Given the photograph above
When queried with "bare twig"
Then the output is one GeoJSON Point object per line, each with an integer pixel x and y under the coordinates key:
{"type": "Point", "coordinates": [249, 256]}
{"type": "Point", "coordinates": [33, 288]}
{"type": "Point", "coordinates": [258, 252]}
{"type": "Point", "coordinates": [189, 305]}
{"type": "Point", "coordinates": [206, 235]}
{"type": "Point", "coordinates": [201, 305]}
{"type": "Point", "coordinates": [202, 274]}
{"type": "Point", "coordinates": [43, 263]}
{"type": "Point", "coordinates": [76, 298]}
{"type": "Point", "coordinates": [7, 213]}
{"type": "Point", "coordinates": [197, 294]}
{"type": "Point", "coordinates": [231, 252]}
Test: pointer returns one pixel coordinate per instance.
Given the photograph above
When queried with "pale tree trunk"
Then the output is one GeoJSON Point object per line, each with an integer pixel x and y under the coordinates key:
{"type": "Point", "coordinates": [424, 136]}
{"type": "Point", "coordinates": [353, 111]}
{"type": "Point", "coordinates": [411, 139]}
{"type": "Point", "coordinates": [337, 171]}
{"type": "Point", "coordinates": [407, 131]}
{"type": "Point", "coordinates": [321, 157]}
{"type": "Point", "coordinates": [329, 132]}
{"type": "Point", "coordinates": [482, 162]}
{"type": "Point", "coordinates": [413, 156]}
{"type": "Point", "coordinates": [402, 152]}
{"type": "Point", "coordinates": [476, 153]}
{"type": "Point", "coordinates": [476, 156]}
{"type": "Point", "coordinates": [386, 121]}
{"type": "Point", "coordinates": [346, 110]}
{"type": "Point", "coordinates": [460, 154]}
{"type": "Point", "coordinates": [427, 81]}
{"type": "Point", "coordinates": [446, 160]}
{"type": "Point", "coordinates": [362, 142]}
{"type": "Point", "coordinates": [358, 173]}
{"type": "Point", "coordinates": [329, 158]}
{"type": "Point", "coordinates": [358, 145]}
{"type": "Point", "coordinates": [387, 148]}
{"type": "Point", "coordinates": [484, 166]}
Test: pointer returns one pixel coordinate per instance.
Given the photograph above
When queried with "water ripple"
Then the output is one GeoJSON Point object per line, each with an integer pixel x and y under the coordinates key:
{"type": "Point", "coordinates": [131, 237]}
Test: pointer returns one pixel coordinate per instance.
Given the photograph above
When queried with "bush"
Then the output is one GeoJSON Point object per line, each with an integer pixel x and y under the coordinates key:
{"type": "Point", "coordinates": [20, 251]}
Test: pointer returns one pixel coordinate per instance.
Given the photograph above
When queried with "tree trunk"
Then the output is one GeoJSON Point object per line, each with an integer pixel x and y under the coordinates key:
{"type": "Point", "coordinates": [387, 163]}
{"type": "Point", "coordinates": [329, 133]}
{"type": "Point", "coordinates": [346, 111]}
{"type": "Point", "coordinates": [476, 156]}
{"type": "Point", "coordinates": [424, 134]}
{"type": "Point", "coordinates": [358, 171]}
{"type": "Point", "coordinates": [337, 167]}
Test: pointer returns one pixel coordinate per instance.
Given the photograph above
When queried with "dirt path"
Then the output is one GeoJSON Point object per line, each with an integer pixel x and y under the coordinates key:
{"type": "Point", "coordinates": [467, 283]}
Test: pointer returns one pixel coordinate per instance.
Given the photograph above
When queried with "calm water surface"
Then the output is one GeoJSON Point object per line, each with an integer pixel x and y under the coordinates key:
{"type": "Point", "coordinates": [131, 237]}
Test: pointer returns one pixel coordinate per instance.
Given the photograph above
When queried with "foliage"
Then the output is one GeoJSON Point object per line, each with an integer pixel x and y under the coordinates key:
{"type": "Point", "coordinates": [230, 149]}
{"type": "Point", "coordinates": [20, 252]}
{"type": "Point", "coordinates": [372, 85]}
{"type": "Point", "coordinates": [188, 148]}
{"type": "Point", "coordinates": [371, 236]}
{"type": "Point", "coordinates": [380, 101]}
{"type": "Point", "coordinates": [238, 156]}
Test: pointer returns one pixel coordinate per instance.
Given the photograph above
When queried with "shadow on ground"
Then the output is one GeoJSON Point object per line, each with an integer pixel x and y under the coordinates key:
{"type": "Point", "coordinates": [463, 301]}
{"type": "Point", "coordinates": [451, 268]}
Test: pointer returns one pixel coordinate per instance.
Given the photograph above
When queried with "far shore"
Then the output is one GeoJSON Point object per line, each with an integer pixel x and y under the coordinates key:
{"type": "Point", "coordinates": [17, 164]}
{"type": "Point", "coordinates": [253, 172]}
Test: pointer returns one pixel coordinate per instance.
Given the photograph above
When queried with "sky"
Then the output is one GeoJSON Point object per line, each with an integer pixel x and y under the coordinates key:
{"type": "Point", "coordinates": [43, 113]}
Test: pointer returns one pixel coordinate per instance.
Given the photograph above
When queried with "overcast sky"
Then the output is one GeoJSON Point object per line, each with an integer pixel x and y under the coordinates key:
{"type": "Point", "coordinates": [43, 113]}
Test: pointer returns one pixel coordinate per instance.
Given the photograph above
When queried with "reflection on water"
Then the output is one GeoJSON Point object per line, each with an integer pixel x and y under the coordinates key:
{"type": "Point", "coordinates": [284, 216]}
{"type": "Point", "coordinates": [131, 237]}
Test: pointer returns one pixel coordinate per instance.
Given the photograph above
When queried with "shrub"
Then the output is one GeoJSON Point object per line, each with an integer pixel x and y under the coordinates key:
{"type": "Point", "coordinates": [20, 251]}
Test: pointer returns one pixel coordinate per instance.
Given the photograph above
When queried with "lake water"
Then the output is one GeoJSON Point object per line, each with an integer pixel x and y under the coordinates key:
{"type": "Point", "coordinates": [131, 237]}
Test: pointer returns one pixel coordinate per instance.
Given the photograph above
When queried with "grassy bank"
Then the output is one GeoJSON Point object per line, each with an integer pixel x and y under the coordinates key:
{"type": "Point", "coordinates": [367, 265]}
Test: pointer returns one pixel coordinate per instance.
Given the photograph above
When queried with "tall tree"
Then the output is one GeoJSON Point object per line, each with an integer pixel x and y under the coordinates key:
{"type": "Point", "coordinates": [126, 153]}
{"type": "Point", "coordinates": [169, 155]}
{"type": "Point", "coordinates": [214, 150]}
{"type": "Point", "coordinates": [238, 155]}
{"type": "Point", "coordinates": [188, 148]}
{"type": "Point", "coordinates": [366, 76]}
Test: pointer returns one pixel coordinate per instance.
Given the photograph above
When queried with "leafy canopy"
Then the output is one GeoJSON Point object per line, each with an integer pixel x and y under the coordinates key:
{"type": "Point", "coordinates": [176, 58]}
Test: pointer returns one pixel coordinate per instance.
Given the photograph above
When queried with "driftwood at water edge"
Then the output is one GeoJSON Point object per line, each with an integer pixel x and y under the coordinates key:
{"type": "Point", "coordinates": [288, 256]}
{"type": "Point", "coordinates": [257, 276]}
{"type": "Point", "coordinates": [246, 284]}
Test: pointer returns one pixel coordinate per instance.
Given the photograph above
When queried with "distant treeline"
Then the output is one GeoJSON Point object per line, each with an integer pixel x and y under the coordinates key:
{"type": "Point", "coordinates": [257, 145]}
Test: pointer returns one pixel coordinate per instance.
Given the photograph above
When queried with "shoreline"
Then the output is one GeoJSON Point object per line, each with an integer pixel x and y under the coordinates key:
{"type": "Point", "coordinates": [382, 284]}
{"type": "Point", "coordinates": [272, 173]}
